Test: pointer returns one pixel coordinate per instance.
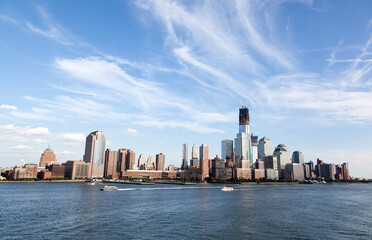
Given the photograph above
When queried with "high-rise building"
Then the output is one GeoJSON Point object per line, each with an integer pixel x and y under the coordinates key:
{"type": "Point", "coordinates": [204, 161]}
{"type": "Point", "coordinates": [226, 149]}
{"type": "Point", "coordinates": [254, 140]}
{"type": "Point", "coordinates": [141, 162]}
{"type": "Point", "coordinates": [297, 157]}
{"type": "Point", "coordinates": [95, 153]}
{"type": "Point", "coordinates": [265, 147]}
{"type": "Point", "coordinates": [48, 157]}
{"type": "Point", "coordinates": [111, 158]}
{"type": "Point", "coordinates": [194, 162]}
{"type": "Point", "coordinates": [151, 163]}
{"type": "Point", "coordinates": [121, 163]}
{"type": "Point", "coordinates": [160, 162]}
{"type": "Point", "coordinates": [282, 154]}
{"type": "Point", "coordinates": [185, 156]}
{"type": "Point", "coordinates": [130, 160]}
{"type": "Point", "coordinates": [243, 144]}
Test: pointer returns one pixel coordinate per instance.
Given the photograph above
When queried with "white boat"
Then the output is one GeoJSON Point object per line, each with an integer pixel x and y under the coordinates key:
{"type": "Point", "coordinates": [109, 188]}
{"type": "Point", "coordinates": [227, 189]}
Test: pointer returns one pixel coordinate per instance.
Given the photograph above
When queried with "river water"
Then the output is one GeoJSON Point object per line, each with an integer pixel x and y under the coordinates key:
{"type": "Point", "coordinates": [82, 211]}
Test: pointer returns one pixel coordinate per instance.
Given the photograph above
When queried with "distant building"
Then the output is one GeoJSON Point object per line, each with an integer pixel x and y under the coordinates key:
{"type": "Point", "coordinates": [282, 154]}
{"type": "Point", "coordinates": [141, 162]}
{"type": "Point", "coordinates": [194, 161]}
{"type": "Point", "coordinates": [204, 161]}
{"type": "Point", "coordinates": [95, 153]}
{"type": "Point", "coordinates": [297, 157]}
{"type": "Point", "coordinates": [271, 162]}
{"type": "Point", "coordinates": [57, 171]}
{"type": "Point", "coordinates": [243, 145]}
{"type": "Point", "coordinates": [294, 171]}
{"type": "Point", "coordinates": [29, 171]}
{"type": "Point", "coordinates": [151, 163]}
{"type": "Point", "coordinates": [160, 162]}
{"type": "Point", "coordinates": [47, 156]}
{"type": "Point", "coordinates": [254, 140]}
{"type": "Point", "coordinates": [271, 174]}
{"type": "Point", "coordinates": [111, 158]}
{"type": "Point", "coordinates": [77, 170]}
{"type": "Point", "coordinates": [185, 157]}
{"type": "Point", "coordinates": [265, 147]}
{"type": "Point", "coordinates": [130, 160]}
{"type": "Point", "coordinates": [226, 149]}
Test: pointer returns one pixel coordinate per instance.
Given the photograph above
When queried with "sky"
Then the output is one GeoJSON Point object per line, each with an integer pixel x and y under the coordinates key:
{"type": "Point", "coordinates": [153, 75]}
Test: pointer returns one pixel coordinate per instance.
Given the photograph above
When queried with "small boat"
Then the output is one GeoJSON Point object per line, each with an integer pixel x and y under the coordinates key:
{"type": "Point", "coordinates": [109, 188]}
{"type": "Point", "coordinates": [227, 189]}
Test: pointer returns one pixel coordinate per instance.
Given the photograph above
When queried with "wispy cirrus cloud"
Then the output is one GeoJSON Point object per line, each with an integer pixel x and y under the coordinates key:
{"type": "Point", "coordinates": [53, 30]}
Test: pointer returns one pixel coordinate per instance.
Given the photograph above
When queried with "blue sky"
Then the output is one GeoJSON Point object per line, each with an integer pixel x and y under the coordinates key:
{"type": "Point", "coordinates": [155, 74]}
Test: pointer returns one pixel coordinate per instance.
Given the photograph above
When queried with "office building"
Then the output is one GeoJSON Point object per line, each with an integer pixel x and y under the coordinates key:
{"type": "Point", "coordinates": [47, 157]}
{"type": "Point", "coordinates": [194, 162]}
{"type": "Point", "coordinates": [243, 145]}
{"type": "Point", "coordinates": [254, 141]}
{"type": "Point", "coordinates": [111, 158]}
{"type": "Point", "coordinates": [297, 157]}
{"type": "Point", "coordinates": [160, 162]}
{"type": "Point", "coordinates": [185, 157]}
{"type": "Point", "coordinates": [226, 149]}
{"type": "Point", "coordinates": [141, 162]}
{"type": "Point", "coordinates": [270, 162]}
{"type": "Point", "coordinates": [204, 161]}
{"type": "Point", "coordinates": [77, 170]}
{"type": "Point", "coordinates": [283, 157]}
{"type": "Point", "coordinates": [95, 146]}
{"type": "Point", "coordinates": [29, 171]}
{"type": "Point", "coordinates": [130, 160]}
{"type": "Point", "coordinates": [294, 171]}
{"type": "Point", "coordinates": [265, 147]}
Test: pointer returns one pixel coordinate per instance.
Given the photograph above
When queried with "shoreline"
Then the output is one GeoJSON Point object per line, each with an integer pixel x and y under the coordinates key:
{"type": "Point", "coordinates": [177, 183]}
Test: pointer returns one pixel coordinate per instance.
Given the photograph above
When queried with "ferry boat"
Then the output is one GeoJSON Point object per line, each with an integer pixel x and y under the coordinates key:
{"type": "Point", "coordinates": [109, 188]}
{"type": "Point", "coordinates": [227, 189]}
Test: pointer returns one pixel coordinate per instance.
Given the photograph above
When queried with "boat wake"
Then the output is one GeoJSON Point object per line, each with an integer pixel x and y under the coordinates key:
{"type": "Point", "coordinates": [164, 188]}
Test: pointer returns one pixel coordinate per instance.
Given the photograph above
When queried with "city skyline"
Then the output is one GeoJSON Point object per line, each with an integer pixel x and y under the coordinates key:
{"type": "Point", "coordinates": [153, 75]}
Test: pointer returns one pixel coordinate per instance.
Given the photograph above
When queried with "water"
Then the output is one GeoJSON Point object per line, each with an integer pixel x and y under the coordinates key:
{"type": "Point", "coordinates": [82, 211]}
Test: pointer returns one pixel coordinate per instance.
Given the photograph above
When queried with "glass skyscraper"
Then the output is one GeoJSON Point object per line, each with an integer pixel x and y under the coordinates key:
{"type": "Point", "coordinates": [95, 153]}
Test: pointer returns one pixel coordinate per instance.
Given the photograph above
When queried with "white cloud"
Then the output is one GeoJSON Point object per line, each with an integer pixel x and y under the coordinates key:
{"type": "Point", "coordinates": [72, 139]}
{"type": "Point", "coordinates": [65, 152]}
{"type": "Point", "coordinates": [132, 132]}
{"type": "Point", "coordinates": [23, 147]}
{"type": "Point", "coordinates": [27, 131]}
{"type": "Point", "coordinates": [8, 107]}
{"type": "Point", "coordinates": [53, 31]}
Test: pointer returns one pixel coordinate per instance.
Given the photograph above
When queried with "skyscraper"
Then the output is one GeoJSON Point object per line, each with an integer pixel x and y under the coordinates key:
{"type": "Point", "coordinates": [254, 141]}
{"type": "Point", "coordinates": [243, 145]}
{"type": "Point", "coordinates": [265, 147]}
{"type": "Point", "coordinates": [204, 161]}
{"type": "Point", "coordinates": [95, 153]}
{"type": "Point", "coordinates": [282, 154]}
{"type": "Point", "coordinates": [226, 149]}
{"type": "Point", "coordinates": [185, 156]}
{"type": "Point", "coordinates": [160, 162]}
{"type": "Point", "coordinates": [111, 158]}
{"type": "Point", "coordinates": [141, 162]}
{"type": "Point", "coordinates": [297, 157]}
{"type": "Point", "coordinates": [194, 160]}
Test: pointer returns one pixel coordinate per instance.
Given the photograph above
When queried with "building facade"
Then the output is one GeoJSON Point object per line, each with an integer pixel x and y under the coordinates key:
{"type": "Point", "coordinates": [265, 147]}
{"type": "Point", "coordinates": [95, 146]}
{"type": "Point", "coordinates": [226, 149]}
